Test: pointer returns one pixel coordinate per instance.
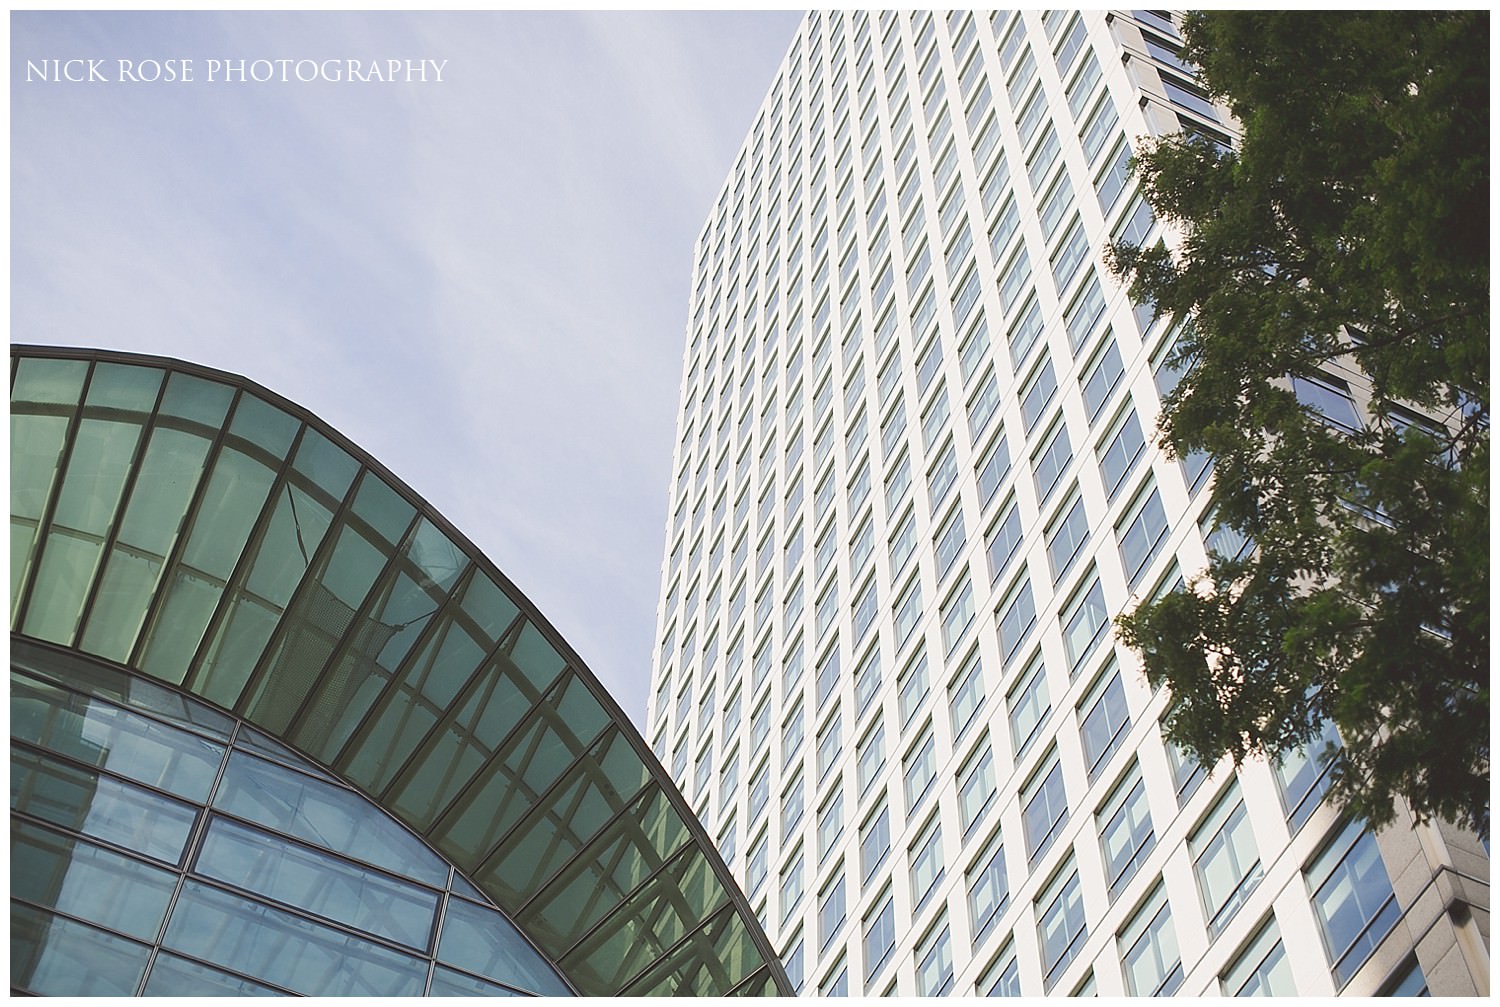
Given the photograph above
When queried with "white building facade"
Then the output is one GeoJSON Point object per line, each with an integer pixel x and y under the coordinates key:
{"type": "Point", "coordinates": [915, 479]}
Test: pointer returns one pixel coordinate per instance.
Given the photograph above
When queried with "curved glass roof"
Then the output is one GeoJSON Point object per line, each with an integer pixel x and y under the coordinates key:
{"type": "Point", "coordinates": [191, 526]}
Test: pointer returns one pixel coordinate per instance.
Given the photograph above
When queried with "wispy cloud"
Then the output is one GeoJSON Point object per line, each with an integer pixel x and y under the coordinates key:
{"type": "Point", "coordinates": [482, 282]}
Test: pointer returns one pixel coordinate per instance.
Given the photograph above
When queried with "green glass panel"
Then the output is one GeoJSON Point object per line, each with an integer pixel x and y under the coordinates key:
{"type": "Point", "coordinates": [708, 963]}
{"type": "Point", "coordinates": [190, 599]}
{"type": "Point", "coordinates": [292, 952]}
{"type": "Point", "coordinates": [196, 399]}
{"type": "Point", "coordinates": [536, 658]}
{"type": "Point", "coordinates": [312, 627]}
{"type": "Point", "coordinates": [496, 701]}
{"type": "Point", "coordinates": [263, 424]}
{"type": "Point", "coordinates": [99, 806]}
{"type": "Point", "coordinates": [49, 381]}
{"type": "Point", "coordinates": [435, 558]}
{"type": "Point", "coordinates": [297, 527]}
{"type": "Point", "coordinates": [579, 711]}
{"type": "Point", "coordinates": [759, 985]}
{"type": "Point", "coordinates": [103, 452]}
{"type": "Point", "coordinates": [101, 734]}
{"type": "Point", "coordinates": [80, 674]}
{"type": "Point", "coordinates": [231, 503]}
{"type": "Point", "coordinates": [600, 785]}
{"type": "Point", "coordinates": [325, 814]}
{"type": "Point", "coordinates": [325, 464]}
{"type": "Point", "coordinates": [321, 884]}
{"type": "Point", "coordinates": [673, 903]}
{"type": "Point", "coordinates": [172, 976]}
{"type": "Point", "coordinates": [62, 582]}
{"type": "Point", "coordinates": [251, 610]}
{"type": "Point", "coordinates": [159, 498]}
{"type": "Point", "coordinates": [35, 446]}
{"type": "Point", "coordinates": [491, 610]}
{"type": "Point", "coordinates": [383, 509]}
{"type": "Point", "coordinates": [483, 941]}
{"type": "Point", "coordinates": [124, 386]}
{"type": "Point", "coordinates": [529, 763]}
{"type": "Point", "coordinates": [613, 863]}
{"type": "Point", "coordinates": [88, 881]}
{"type": "Point", "coordinates": [448, 983]}
{"type": "Point", "coordinates": [45, 952]}
{"type": "Point", "coordinates": [426, 689]}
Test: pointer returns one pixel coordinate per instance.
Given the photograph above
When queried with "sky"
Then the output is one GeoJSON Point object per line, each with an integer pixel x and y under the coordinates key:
{"type": "Point", "coordinates": [481, 280]}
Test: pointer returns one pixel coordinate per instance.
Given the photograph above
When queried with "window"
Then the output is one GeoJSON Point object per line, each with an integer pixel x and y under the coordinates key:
{"type": "Point", "coordinates": [862, 614]}
{"type": "Point", "coordinates": [791, 960]}
{"type": "Point", "coordinates": [1050, 461]}
{"type": "Point", "coordinates": [828, 675]}
{"type": "Point", "coordinates": [926, 861]}
{"type": "Point", "coordinates": [892, 428]}
{"type": "Point", "coordinates": [912, 688]}
{"type": "Point", "coordinates": [1187, 771]}
{"type": "Point", "coordinates": [874, 843]}
{"type": "Point", "coordinates": [1067, 536]}
{"type": "Point", "coordinates": [880, 936]}
{"type": "Point", "coordinates": [1330, 398]}
{"type": "Point", "coordinates": [830, 822]}
{"type": "Point", "coordinates": [791, 736]}
{"type": "Point", "coordinates": [1085, 622]}
{"type": "Point", "coordinates": [1002, 978]}
{"type": "Point", "coordinates": [1024, 333]}
{"type": "Point", "coordinates": [957, 614]}
{"type": "Point", "coordinates": [1141, 534]}
{"type": "Point", "coordinates": [791, 886]}
{"type": "Point", "coordinates": [831, 909]}
{"type": "Point", "coordinates": [897, 483]}
{"type": "Point", "coordinates": [1352, 895]}
{"type": "Point", "coordinates": [976, 785]}
{"type": "Point", "coordinates": [1038, 393]}
{"type": "Point", "coordinates": [1125, 833]}
{"type": "Point", "coordinates": [1070, 255]}
{"type": "Point", "coordinates": [1118, 453]}
{"type": "Point", "coordinates": [837, 982]}
{"type": "Point", "coordinates": [1003, 539]}
{"type": "Point", "coordinates": [1305, 776]}
{"type": "Point", "coordinates": [1262, 969]}
{"type": "Point", "coordinates": [907, 611]}
{"type": "Point", "coordinates": [792, 805]}
{"type": "Point", "coordinates": [1225, 859]}
{"type": "Point", "coordinates": [1103, 720]}
{"type": "Point", "coordinates": [941, 476]}
{"type": "Point", "coordinates": [1113, 177]}
{"type": "Point", "coordinates": [950, 542]}
{"type": "Point", "coordinates": [989, 888]}
{"type": "Point", "coordinates": [1045, 807]}
{"type": "Point", "coordinates": [830, 744]}
{"type": "Point", "coordinates": [984, 406]}
{"type": "Point", "coordinates": [755, 866]}
{"type": "Point", "coordinates": [1100, 377]}
{"type": "Point", "coordinates": [1017, 616]}
{"type": "Point", "coordinates": [871, 756]}
{"type": "Point", "coordinates": [1015, 279]}
{"type": "Point", "coordinates": [993, 469]}
{"type": "Point", "coordinates": [1028, 704]}
{"type": "Point", "coordinates": [903, 542]}
{"type": "Point", "coordinates": [965, 695]}
{"type": "Point", "coordinates": [1148, 948]}
{"type": "Point", "coordinates": [1061, 924]}
{"type": "Point", "coordinates": [934, 959]}
{"type": "Point", "coordinates": [919, 769]}
{"type": "Point", "coordinates": [867, 678]}
{"type": "Point", "coordinates": [1084, 313]}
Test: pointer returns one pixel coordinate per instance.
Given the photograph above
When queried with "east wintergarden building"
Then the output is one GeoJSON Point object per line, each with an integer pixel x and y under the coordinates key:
{"type": "Point", "coordinates": [277, 727]}
{"type": "Point", "coordinates": [915, 478]}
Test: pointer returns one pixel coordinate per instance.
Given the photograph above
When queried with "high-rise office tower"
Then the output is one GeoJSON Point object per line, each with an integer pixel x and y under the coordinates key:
{"type": "Point", "coordinates": [915, 478]}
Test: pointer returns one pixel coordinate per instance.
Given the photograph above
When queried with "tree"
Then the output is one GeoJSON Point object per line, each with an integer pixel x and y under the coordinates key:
{"type": "Point", "coordinates": [1345, 237]}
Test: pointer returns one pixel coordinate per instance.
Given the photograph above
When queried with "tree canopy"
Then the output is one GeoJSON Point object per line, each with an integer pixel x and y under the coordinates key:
{"type": "Point", "coordinates": [1332, 289]}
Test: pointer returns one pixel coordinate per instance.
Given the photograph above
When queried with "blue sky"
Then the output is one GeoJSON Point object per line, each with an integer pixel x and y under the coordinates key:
{"type": "Point", "coordinates": [482, 281]}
